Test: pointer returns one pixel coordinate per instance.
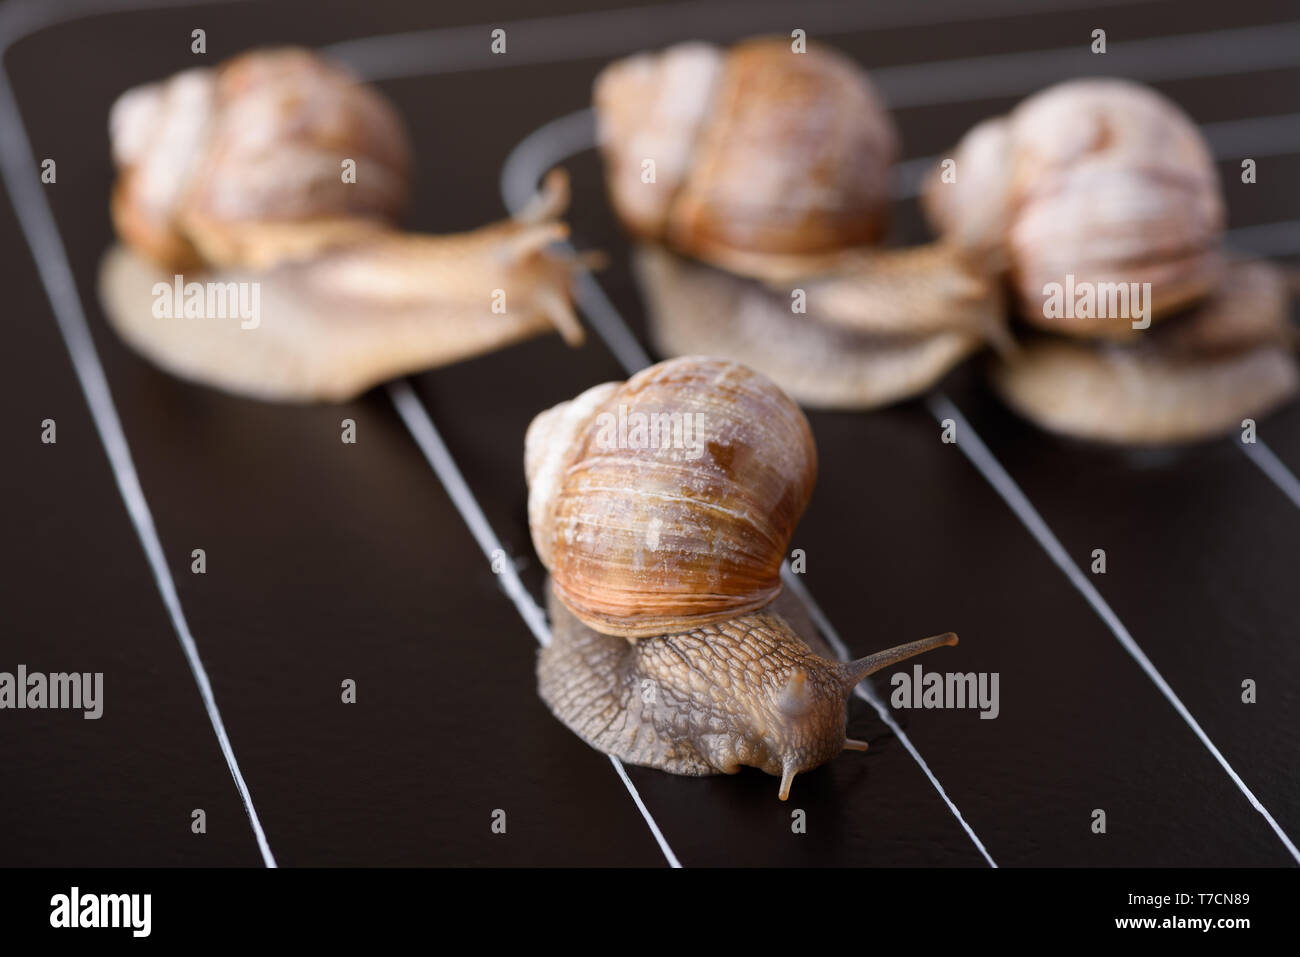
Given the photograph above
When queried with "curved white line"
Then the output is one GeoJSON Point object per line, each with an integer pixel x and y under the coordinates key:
{"type": "Point", "coordinates": [607, 33]}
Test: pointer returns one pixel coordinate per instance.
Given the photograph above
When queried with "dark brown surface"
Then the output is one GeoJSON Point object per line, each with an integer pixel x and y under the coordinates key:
{"type": "Point", "coordinates": [328, 561]}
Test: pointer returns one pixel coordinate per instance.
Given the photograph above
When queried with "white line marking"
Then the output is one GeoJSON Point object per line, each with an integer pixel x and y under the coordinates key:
{"type": "Point", "coordinates": [1181, 56]}
{"type": "Point", "coordinates": [608, 33]}
{"type": "Point", "coordinates": [523, 169]}
{"type": "Point", "coordinates": [968, 440]}
{"type": "Point", "coordinates": [420, 424]}
{"type": "Point", "coordinates": [1272, 466]}
{"type": "Point", "coordinates": [37, 222]}
{"type": "Point", "coordinates": [867, 692]}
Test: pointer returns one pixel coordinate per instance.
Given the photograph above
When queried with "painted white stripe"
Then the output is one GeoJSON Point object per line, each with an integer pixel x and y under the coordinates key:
{"type": "Point", "coordinates": [968, 440]}
{"type": "Point", "coordinates": [1272, 466]}
{"type": "Point", "coordinates": [607, 33]}
{"type": "Point", "coordinates": [867, 692]}
{"type": "Point", "coordinates": [425, 433]}
{"type": "Point", "coordinates": [19, 166]}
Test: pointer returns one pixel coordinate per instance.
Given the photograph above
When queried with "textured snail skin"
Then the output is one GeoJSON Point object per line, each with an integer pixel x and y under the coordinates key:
{"type": "Point", "coordinates": [742, 692]}
{"type": "Point", "coordinates": [1192, 378]}
{"type": "Point", "coordinates": [693, 309]}
{"type": "Point", "coordinates": [758, 150]}
{"type": "Point", "coordinates": [645, 541]}
{"type": "Point", "coordinates": [1103, 179]}
{"type": "Point", "coordinates": [347, 319]}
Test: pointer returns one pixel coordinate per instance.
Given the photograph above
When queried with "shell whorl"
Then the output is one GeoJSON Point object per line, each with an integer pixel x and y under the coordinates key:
{"type": "Point", "coordinates": [668, 501]}
{"type": "Point", "coordinates": [214, 162]}
{"type": "Point", "coordinates": [1104, 179]}
{"type": "Point", "coordinates": [758, 150]}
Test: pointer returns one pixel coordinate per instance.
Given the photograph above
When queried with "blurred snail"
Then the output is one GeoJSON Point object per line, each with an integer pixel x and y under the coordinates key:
{"type": "Point", "coordinates": [239, 175]}
{"type": "Point", "coordinates": [773, 168]}
{"type": "Point", "coordinates": [1104, 185]}
{"type": "Point", "coordinates": [662, 508]}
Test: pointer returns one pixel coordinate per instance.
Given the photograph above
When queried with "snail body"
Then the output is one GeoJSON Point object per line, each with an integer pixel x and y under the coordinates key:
{"type": "Point", "coordinates": [667, 648]}
{"type": "Point", "coordinates": [238, 176]}
{"type": "Point", "coordinates": [774, 169]}
{"type": "Point", "coordinates": [745, 691]}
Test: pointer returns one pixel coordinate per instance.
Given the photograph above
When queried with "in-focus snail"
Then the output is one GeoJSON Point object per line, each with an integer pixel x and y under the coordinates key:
{"type": "Point", "coordinates": [775, 165]}
{"type": "Point", "coordinates": [662, 507]}
{"type": "Point", "coordinates": [1105, 185]}
{"type": "Point", "coordinates": [279, 168]}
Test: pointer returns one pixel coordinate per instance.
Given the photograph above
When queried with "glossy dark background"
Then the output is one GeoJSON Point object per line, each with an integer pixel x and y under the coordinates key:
{"type": "Point", "coordinates": [328, 561]}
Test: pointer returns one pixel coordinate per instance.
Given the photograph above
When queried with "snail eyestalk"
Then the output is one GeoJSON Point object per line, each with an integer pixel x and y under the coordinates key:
{"type": "Point", "coordinates": [787, 778]}
{"type": "Point", "coordinates": [855, 671]}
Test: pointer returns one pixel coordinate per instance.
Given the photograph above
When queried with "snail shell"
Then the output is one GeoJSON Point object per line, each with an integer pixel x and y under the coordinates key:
{"type": "Point", "coordinates": [1104, 179]}
{"type": "Point", "coordinates": [744, 691]}
{"type": "Point", "coordinates": [759, 152]}
{"type": "Point", "coordinates": [683, 522]}
{"type": "Point", "coordinates": [242, 164]}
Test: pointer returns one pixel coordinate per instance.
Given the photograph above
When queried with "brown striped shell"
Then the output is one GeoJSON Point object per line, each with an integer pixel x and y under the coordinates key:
{"type": "Point", "coordinates": [1103, 179]}
{"type": "Point", "coordinates": [759, 152]}
{"type": "Point", "coordinates": [243, 164]}
{"type": "Point", "coordinates": [668, 501]}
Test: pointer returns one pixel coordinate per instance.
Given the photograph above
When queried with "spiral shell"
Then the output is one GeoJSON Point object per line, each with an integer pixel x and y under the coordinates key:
{"type": "Point", "coordinates": [243, 164]}
{"type": "Point", "coordinates": [1101, 178]}
{"type": "Point", "coordinates": [667, 502]}
{"type": "Point", "coordinates": [758, 151]}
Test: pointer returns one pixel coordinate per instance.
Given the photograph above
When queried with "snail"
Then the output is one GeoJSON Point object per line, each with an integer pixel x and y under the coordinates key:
{"type": "Point", "coordinates": [1104, 184]}
{"type": "Point", "coordinates": [279, 172]}
{"type": "Point", "coordinates": [767, 173]}
{"type": "Point", "coordinates": [662, 508]}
